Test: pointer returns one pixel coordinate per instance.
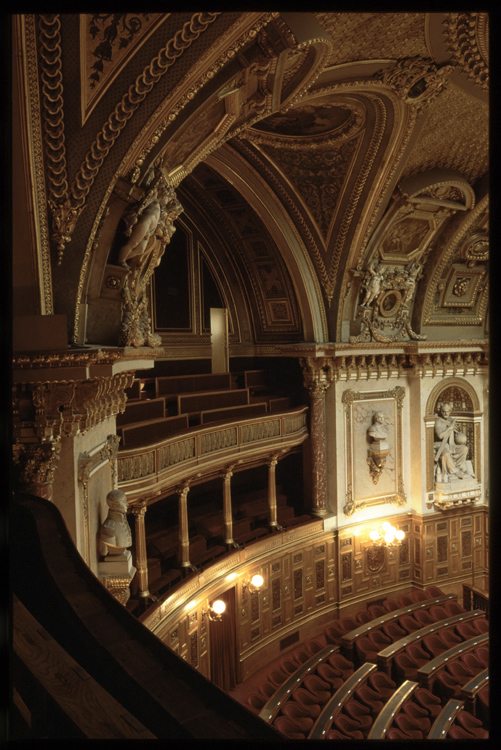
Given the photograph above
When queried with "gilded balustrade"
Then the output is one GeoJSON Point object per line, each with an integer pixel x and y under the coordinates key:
{"type": "Point", "coordinates": [149, 471]}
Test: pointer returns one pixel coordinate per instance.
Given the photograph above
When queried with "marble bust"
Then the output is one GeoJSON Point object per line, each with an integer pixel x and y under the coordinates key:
{"type": "Point", "coordinates": [114, 533]}
{"type": "Point", "coordinates": [378, 433]}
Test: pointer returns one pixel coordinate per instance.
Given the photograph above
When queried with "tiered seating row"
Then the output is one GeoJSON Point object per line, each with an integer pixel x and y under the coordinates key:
{"type": "Point", "coordinates": [367, 703]}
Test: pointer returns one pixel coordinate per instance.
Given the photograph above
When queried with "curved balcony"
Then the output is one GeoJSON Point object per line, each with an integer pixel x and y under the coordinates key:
{"type": "Point", "coordinates": [154, 470]}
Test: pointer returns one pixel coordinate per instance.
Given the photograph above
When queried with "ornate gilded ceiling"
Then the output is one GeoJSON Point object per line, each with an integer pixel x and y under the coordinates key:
{"type": "Point", "coordinates": [314, 122]}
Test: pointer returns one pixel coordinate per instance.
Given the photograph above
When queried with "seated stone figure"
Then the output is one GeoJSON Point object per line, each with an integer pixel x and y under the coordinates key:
{"type": "Point", "coordinates": [115, 534]}
{"type": "Point", "coordinates": [451, 449]}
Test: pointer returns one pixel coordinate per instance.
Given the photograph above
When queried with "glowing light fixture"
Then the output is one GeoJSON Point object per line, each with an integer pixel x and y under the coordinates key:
{"type": "Point", "coordinates": [254, 584]}
{"type": "Point", "coordinates": [387, 536]}
{"type": "Point", "coordinates": [215, 611]}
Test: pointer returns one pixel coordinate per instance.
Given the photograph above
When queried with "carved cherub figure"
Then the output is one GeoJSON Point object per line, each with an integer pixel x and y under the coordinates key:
{"type": "Point", "coordinates": [114, 534]}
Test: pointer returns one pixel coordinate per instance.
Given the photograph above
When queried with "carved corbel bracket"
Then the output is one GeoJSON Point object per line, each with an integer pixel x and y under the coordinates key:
{"type": "Point", "coordinates": [35, 465]}
{"type": "Point", "coordinates": [318, 374]}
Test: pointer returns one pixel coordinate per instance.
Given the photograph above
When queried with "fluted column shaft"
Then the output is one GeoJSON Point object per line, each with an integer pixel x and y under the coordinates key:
{"type": "Point", "coordinates": [141, 561]}
{"type": "Point", "coordinates": [184, 536]}
{"type": "Point", "coordinates": [227, 510]}
{"type": "Point", "coordinates": [272, 492]}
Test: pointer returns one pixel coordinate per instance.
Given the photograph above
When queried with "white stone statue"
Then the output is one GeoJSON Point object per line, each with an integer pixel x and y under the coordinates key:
{"type": "Point", "coordinates": [115, 534]}
{"type": "Point", "coordinates": [451, 449]}
{"type": "Point", "coordinates": [378, 432]}
{"type": "Point", "coordinates": [373, 281]}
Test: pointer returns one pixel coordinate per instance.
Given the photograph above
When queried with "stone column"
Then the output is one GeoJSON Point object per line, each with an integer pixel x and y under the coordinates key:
{"type": "Point", "coordinates": [227, 511]}
{"type": "Point", "coordinates": [184, 536]}
{"type": "Point", "coordinates": [318, 375]}
{"type": "Point", "coordinates": [272, 494]}
{"type": "Point", "coordinates": [141, 558]}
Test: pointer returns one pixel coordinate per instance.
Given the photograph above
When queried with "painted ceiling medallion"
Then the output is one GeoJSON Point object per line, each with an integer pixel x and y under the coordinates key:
{"type": "Point", "coordinates": [318, 123]}
{"type": "Point", "coordinates": [108, 41]}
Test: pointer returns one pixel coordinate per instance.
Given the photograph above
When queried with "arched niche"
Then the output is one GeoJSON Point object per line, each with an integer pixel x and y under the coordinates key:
{"type": "Point", "coordinates": [466, 409]}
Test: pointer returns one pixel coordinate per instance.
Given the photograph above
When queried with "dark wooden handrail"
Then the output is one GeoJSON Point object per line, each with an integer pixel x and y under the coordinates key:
{"type": "Point", "coordinates": [429, 671]}
{"type": "Point", "coordinates": [392, 706]}
{"type": "Point", "coordinates": [445, 719]}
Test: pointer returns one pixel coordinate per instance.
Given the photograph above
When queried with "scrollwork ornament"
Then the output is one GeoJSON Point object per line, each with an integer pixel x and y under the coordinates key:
{"type": "Point", "coordinates": [417, 80]}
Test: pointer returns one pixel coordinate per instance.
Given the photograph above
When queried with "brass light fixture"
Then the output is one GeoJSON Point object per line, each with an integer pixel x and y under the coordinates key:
{"type": "Point", "coordinates": [388, 536]}
{"type": "Point", "coordinates": [254, 584]}
{"type": "Point", "coordinates": [215, 611]}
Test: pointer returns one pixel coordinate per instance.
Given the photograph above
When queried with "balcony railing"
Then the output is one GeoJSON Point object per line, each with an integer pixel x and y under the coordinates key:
{"type": "Point", "coordinates": [151, 470]}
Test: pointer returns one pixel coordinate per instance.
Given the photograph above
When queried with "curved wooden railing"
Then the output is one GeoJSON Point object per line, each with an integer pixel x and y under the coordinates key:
{"type": "Point", "coordinates": [151, 470]}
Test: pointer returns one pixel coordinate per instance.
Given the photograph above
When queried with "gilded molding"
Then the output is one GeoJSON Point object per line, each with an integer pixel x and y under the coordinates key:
{"type": "Point", "coordinates": [444, 263]}
{"type": "Point", "coordinates": [318, 374]}
{"type": "Point", "coordinates": [467, 36]}
{"type": "Point", "coordinates": [34, 125]}
{"type": "Point", "coordinates": [35, 465]}
{"type": "Point", "coordinates": [417, 80]}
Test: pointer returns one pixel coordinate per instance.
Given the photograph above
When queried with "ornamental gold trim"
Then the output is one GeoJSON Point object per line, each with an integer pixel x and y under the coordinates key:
{"type": "Point", "coordinates": [349, 398]}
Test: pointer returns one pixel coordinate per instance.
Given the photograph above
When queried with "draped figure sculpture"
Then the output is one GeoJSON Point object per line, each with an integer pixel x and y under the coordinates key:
{"type": "Point", "coordinates": [451, 449]}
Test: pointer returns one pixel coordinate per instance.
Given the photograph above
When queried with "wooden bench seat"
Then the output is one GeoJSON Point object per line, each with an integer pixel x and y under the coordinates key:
{"type": "Point", "coordinates": [158, 586]}
{"type": "Point", "coordinates": [279, 404]}
{"type": "Point", "coordinates": [146, 433]}
{"type": "Point", "coordinates": [192, 403]}
{"type": "Point", "coordinates": [232, 412]}
{"type": "Point", "coordinates": [141, 411]}
{"type": "Point", "coordinates": [256, 381]}
{"type": "Point", "coordinates": [173, 385]}
{"type": "Point", "coordinates": [134, 392]}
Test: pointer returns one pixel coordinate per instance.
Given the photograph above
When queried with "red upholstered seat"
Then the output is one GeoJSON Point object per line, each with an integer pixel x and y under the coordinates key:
{"type": "Point", "coordinates": [335, 734]}
{"type": "Point", "coordinates": [471, 724]}
{"type": "Point", "coordinates": [315, 645]}
{"type": "Point", "coordinates": [447, 686]}
{"type": "Point", "coordinates": [449, 637]}
{"type": "Point", "coordinates": [363, 617]}
{"type": "Point", "coordinates": [433, 644]}
{"type": "Point", "coordinates": [420, 715]}
{"type": "Point", "coordinates": [320, 689]}
{"type": "Point", "coordinates": [418, 596]}
{"type": "Point", "coordinates": [432, 592]}
{"type": "Point", "coordinates": [289, 728]}
{"type": "Point", "coordinates": [379, 640]}
{"type": "Point", "coordinates": [458, 733]}
{"type": "Point", "coordinates": [307, 701]}
{"type": "Point", "coordinates": [428, 701]}
{"type": "Point", "coordinates": [417, 654]}
{"type": "Point", "coordinates": [460, 671]}
{"type": "Point", "coordinates": [453, 608]}
{"type": "Point", "coordinates": [405, 667]}
{"type": "Point", "coordinates": [391, 605]}
{"type": "Point", "coordinates": [348, 726]}
{"type": "Point", "coordinates": [438, 613]}
{"type": "Point", "coordinates": [375, 610]}
{"type": "Point", "coordinates": [472, 662]}
{"type": "Point", "coordinates": [347, 624]}
{"type": "Point", "coordinates": [409, 624]}
{"type": "Point", "coordinates": [382, 684]}
{"type": "Point", "coordinates": [301, 655]}
{"type": "Point", "coordinates": [481, 625]}
{"type": "Point", "coordinates": [423, 617]}
{"type": "Point", "coordinates": [466, 630]}
{"type": "Point", "coordinates": [396, 734]}
{"type": "Point", "coordinates": [359, 713]}
{"type": "Point", "coordinates": [297, 713]}
{"type": "Point", "coordinates": [333, 633]}
{"type": "Point", "coordinates": [338, 661]}
{"type": "Point", "coordinates": [276, 678]}
{"type": "Point", "coordinates": [370, 698]}
{"type": "Point", "coordinates": [255, 702]}
{"type": "Point", "coordinates": [393, 631]}
{"type": "Point", "coordinates": [288, 665]}
{"type": "Point", "coordinates": [366, 650]}
{"type": "Point", "coordinates": [482, 654]}
{"type": "Point", "coordinates": [266, 689]}
{"type": "Point", "coordinates": [409, 725]}
{"type": "Point", "coordinates": [330, 675]}
{"type": "Point", "coordinates": [404, 600]}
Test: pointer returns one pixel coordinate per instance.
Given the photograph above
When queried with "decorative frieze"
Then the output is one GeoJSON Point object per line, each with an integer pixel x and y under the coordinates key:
{"type": "Point", "coordinates": [216, 441]}
{"type": "Point", "coordinates": [260, 431]}
{"type": "Point", "coordinates": [175, 452]}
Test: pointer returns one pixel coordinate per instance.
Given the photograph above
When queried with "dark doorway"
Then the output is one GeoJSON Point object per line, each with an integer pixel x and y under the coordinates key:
{"type": "Point", "coordinates": [223, 645]}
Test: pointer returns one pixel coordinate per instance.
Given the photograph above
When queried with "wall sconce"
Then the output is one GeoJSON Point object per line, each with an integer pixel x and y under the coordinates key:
{"type": "Point", "coordinates": [390, 536]}
{"type": "Point", "coordinates": [215, 612]}
{"type": "Point", "coordinates": [254, 584]}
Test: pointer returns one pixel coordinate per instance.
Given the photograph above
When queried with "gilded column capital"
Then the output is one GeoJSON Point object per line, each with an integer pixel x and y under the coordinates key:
{"type": "Point", "coordinates": [35, 465]}
{"type": "Point", "coordinates": [318, 374]}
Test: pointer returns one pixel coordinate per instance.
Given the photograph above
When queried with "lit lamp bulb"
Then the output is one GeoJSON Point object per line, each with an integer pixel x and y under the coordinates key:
{"type": "Point", "coordinates": [374, 535]}
{"type": "Point", "coordinates": [257, 581]}
{"type": "Point", "coordinates": [389, 537]}
{"type": "Point", "coordinates": [386, 526]}
{"type": "Point", "coordinates": [400, 535]}
{"type": "Point", "coordinates": [218, 607]}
